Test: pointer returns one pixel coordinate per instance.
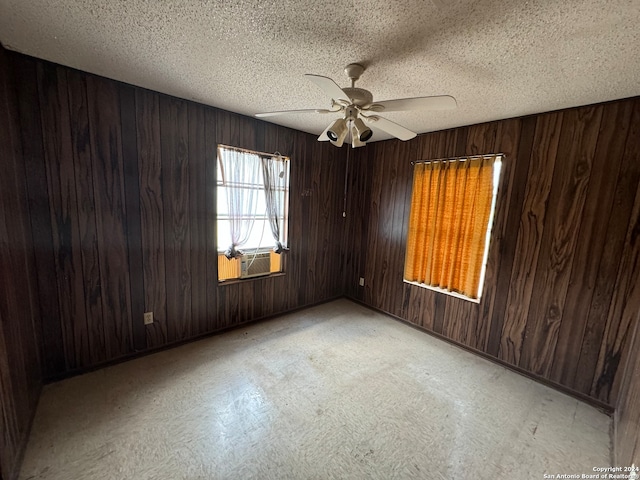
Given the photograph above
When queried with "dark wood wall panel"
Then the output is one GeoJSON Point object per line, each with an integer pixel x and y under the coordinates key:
{"type": "Point", "coordinates": [151, 214]}
{"type": "Point", "coordinates": [558, 244]}
{"type": "Point", "coordinates": [198, 218]}
{"type": "Point", "coordinates": [133, 234]}
{"type": "Point", "coordinates": [174, 132]}
{"type": "Point", "coordinates": [299, 217]}
{"type": "Point", "coordinates": [623, 312]}
{"type": "Point", "coordinates": [213, 321]}
{"type": "Point", "coordinates": [122, 185]}
{"type": "Point", "coordinates": [560, 282]}
{"type": "Point", "coordinates": [132, 201]}
{"type": "Point", "coordinates": [584, 274]}
{"type": "Point", "coordinates": [355, 222]}
{"type": "Point", "coordinates": [326, 221]}
{"type": "Point", "coordinates": [20, 375]}
{"type": "Point", "coordinates": [111, 214]}
{"type": "Point", "coordinates": [617, 221]}
{"type": "Point", "coordinates": [52, 354]}
{"type": "Point", "coordinates": [530, 231]}
{"type": "Point", "coordinates": [93, 348]}
{"type": "Point", "coordinates": [314, 276]}
{"type": "Point", "coordinates": [63, 209]}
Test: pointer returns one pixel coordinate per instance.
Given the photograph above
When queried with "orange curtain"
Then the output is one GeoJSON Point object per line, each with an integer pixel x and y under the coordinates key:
{"type": "Point", "coordinates": [450, 209]}
{"type": "Point", "coordinates": [228, 268]}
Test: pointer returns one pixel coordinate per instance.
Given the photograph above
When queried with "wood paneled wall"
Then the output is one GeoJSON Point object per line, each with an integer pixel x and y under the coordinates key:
{"type": "Point", "coordinates": [562, 284]}
{"type": "Point", "coordinates": [108, 193]}
{"type": "Point", "coordinates": [20, 378]}
{"type": "Point", "coordinates": [122, 192]}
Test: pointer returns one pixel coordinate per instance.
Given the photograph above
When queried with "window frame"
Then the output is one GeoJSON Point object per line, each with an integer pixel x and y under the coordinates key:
{"type": "Point", "coordinates": [250, 251]}
{"type": "Point", "coordinates": [498, 168]}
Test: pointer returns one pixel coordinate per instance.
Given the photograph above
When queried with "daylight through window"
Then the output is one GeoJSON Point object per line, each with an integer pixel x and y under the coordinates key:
{"type": "Point", "coordinates": [452, 207]}
{"type": "Point", "coordinates": [252, 212]}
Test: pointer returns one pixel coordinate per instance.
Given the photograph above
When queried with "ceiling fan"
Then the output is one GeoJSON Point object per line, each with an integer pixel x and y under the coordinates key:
{"type": "Point", "coordinates": [359, 110]}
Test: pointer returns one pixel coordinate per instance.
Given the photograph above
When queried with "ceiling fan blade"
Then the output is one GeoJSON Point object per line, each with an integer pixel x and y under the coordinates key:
{"type": "Point", "coordinates": [390, 127]}
{"type": "Point", "coordinates": [329, 87]}
{"type": "Point", "coordinates": [287, 112]}
{"type": "Point", "coordinates": [440, 102]}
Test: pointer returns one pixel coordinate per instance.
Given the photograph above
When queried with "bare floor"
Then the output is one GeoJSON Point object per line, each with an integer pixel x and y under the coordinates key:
{"type": "Point", "coordinates": [334, 391]}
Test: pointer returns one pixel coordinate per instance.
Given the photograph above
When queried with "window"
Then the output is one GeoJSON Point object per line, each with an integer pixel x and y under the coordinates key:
{"type": "Point", "coordinates": [252, 212]}
{"type": "Point", "coordinates": [452, 205]}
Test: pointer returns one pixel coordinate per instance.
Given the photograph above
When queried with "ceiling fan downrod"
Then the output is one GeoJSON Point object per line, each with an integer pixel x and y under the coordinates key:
{"type": "Point", "coordinates": [353, 71]}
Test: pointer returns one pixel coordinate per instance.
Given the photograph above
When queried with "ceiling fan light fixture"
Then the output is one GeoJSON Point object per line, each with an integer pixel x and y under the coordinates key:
{"type": "Point", "coordinates": [361, 131]}
{"type": "Point", "coordinates": [355, 141]}
{"type": "Point", "coordinates": [337, 132]}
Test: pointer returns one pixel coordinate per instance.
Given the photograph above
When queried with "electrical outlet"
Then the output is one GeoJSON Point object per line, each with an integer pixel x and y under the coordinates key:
{"type": "Point", "coordinates": [148, 318]}
{"type": "Point", "coordinates": [362, 281]}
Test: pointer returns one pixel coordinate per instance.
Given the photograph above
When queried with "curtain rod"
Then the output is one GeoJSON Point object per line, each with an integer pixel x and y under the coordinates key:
{"type": "Point", "coordinates": [255, 152]}
{"type": "Point", "coordinates": [464, 157]}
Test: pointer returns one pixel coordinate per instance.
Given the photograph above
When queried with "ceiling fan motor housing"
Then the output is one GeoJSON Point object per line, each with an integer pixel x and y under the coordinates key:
{"type": "Point", "coordinates": [359, 96]}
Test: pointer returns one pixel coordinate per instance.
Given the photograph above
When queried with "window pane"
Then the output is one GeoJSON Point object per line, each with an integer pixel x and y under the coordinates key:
{"type": "Point", "coordinates": [261, 236]}
{"type": "Point", "coordinates": [221, 202]}
{"type": "Point", "coordinates": [224, 234]}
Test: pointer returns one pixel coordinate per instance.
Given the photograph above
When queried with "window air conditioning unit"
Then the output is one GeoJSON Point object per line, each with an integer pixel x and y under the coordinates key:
{"type": "Point", "coordinates": [255, 265]}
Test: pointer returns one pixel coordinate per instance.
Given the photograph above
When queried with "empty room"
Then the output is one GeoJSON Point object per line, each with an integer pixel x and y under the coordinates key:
{"type": "Point", "coordinates": [319, 240]}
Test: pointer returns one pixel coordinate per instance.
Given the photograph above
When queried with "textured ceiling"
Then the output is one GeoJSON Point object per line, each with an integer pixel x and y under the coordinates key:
{"type": "Point", "coordinates": [498, 58]}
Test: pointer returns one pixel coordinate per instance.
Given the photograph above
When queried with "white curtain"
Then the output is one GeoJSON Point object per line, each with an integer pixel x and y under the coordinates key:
{"type": "Point", "coordinates": [275, 171]}
{"type": "Point", "coordinates": [240, 172]}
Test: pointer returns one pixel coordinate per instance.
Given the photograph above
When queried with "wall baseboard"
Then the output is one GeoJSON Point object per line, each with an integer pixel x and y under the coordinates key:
{"type": "Point", "coordinates": [603, 407]}
{"type": "Point", "coordinates": [168, 346]}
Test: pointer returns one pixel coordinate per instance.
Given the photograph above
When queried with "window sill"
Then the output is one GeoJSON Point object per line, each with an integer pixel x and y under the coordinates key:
{"type": "Point", "coordinates": [440, 290]}
{"type": "Point", "coordinates": [233, 281]}
{"type": "Point", "coordinates": [251, 251]}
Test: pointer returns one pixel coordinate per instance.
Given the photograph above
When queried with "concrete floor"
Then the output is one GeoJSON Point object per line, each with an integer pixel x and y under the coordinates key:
{"type": "Point", "coordinates": [334, 391]}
